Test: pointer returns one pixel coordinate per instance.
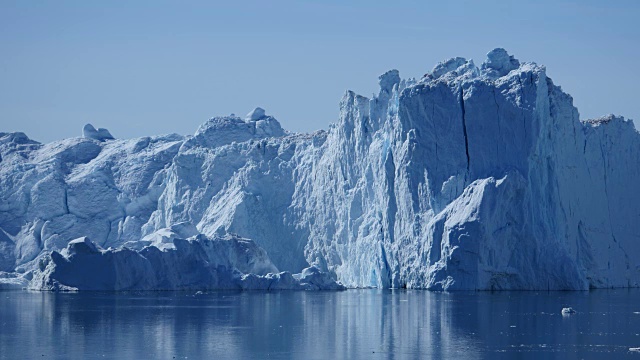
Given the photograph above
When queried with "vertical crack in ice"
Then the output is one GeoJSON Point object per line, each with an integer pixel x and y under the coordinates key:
{"type": "Point", "coordinates": [521, 101]}
{"type": "Point", "coordinates": [387, 269]}
{"type": "Point", "coordinates": [464, 126]}
{"type": "Point", "coordinates": [606, 194]}
{"type": "Point", "coordinates": [106, 239]}
{"type": "Point", "coordinates": [435, 132]}
{"type": "Point", "coordinates": [66, 201]}
{"type": "Point", "coordinates": [392, 205]}
{"type": "Point", "coordinates": [495, 100]}
{"type": "Point", "coordinates": [37, 234]}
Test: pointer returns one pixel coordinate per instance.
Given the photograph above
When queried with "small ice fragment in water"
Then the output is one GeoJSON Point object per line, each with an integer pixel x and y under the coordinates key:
{"type": "Point", "coordinates": [635, 349]}
{"type": "Point", "coordinates": [568, 310]}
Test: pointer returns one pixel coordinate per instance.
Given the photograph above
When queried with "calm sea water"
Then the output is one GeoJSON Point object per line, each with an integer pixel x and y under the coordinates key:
{"type": "Point", "coordinates": [354, 324]}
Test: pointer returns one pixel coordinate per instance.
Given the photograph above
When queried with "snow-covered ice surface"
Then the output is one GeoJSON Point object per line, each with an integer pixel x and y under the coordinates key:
{"type": "Point", "coordinates": [468, 178]}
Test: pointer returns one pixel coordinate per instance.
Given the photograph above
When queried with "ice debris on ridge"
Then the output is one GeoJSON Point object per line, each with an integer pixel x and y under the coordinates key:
{"type": "Point", "coordinates": [89, 132]}
{"type": "Point", "coordinates": [256, 114]}
{"type": "Point", "coordinates": [603, 120]}
{"type": "Point", "coordinates": [472, 178]}
{"type": "Point", "coordinates": [219, 131]}
{"type": "Point", "coordinates": [447, 66]}
{"type": "Point", "coordinates": [500, 62]}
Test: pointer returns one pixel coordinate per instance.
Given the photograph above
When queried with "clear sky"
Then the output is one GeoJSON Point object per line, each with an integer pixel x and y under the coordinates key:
{"type": "Point", "coordinates": [142, 68]}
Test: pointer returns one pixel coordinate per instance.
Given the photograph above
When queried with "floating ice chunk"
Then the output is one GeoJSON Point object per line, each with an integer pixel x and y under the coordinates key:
{"type": "Point", "coordinates": [636, 349]}
{"type": "Point", "coordinates": [314, 279]}
{"type": "Point", "coordinates": [568, 311]}
{"type": "Point", "coordinates": [189, 264]}
{"type": "Point", "coordinates": [309, 279]}
{"type": "Point", "coordinates": [198, 263]}
{"type": "Point", "coordinates": [280, 281]}
{"type": "Point", "coordinates": [255, 115]}
{"type": "Point", "coordinates": [89, 132]}
{"type": "Point", "coordinates": [13, 281]}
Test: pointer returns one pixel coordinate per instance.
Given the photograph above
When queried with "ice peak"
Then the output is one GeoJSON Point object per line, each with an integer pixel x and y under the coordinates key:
{"type": "Point", "coordinates": [388, 80]}
{"type": "Point", "coordinates": [500, 62]}
{"type": "Point", "coordinates": [446, 66]}
{"type": "Point", "coordinates": [256, 114]}
{"type": "Point", "coordinates": [16, 138]}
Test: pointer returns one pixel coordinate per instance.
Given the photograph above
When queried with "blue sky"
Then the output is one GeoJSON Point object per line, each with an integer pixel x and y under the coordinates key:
{"type": "Point", "coordinates": [156, 67]}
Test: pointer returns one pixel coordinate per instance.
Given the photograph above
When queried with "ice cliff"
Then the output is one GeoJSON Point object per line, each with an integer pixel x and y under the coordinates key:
{"type": "Point", "coordinates": [468, 178]}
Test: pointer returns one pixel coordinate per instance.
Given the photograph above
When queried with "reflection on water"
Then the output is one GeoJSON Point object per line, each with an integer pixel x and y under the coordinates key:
{"type": "Point", "coordinates": [364, 324]}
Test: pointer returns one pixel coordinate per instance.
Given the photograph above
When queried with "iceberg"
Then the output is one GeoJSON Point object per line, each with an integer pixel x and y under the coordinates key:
{"type": "Point", "coordinates": [469, 178]}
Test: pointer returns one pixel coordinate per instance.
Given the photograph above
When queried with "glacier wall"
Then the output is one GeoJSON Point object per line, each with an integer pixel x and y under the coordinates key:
{"type": "Point", "coordinates": [468, 178]}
